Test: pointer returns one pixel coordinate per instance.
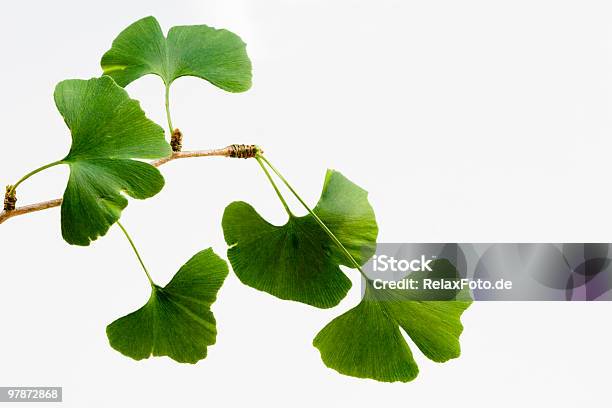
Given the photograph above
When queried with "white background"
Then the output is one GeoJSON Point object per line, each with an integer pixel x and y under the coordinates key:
{"type": "Point", "coordinates": [472, 121]}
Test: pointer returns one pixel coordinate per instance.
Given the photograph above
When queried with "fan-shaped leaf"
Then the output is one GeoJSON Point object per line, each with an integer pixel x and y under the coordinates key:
{"type": "Point", "coordinates": [108, 130]}
{"type": "Point", "coordinates": [298, 261]}
{"type": "Point", "coordinates": [218, 56]}
{"type": "Point", "coordinates": [366, 341]}
{"type": "Point", "coordinates": [176, 321]}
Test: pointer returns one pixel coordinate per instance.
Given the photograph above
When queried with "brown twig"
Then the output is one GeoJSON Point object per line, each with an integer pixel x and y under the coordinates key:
{"type": "Point", "coordinates": [229, 151]}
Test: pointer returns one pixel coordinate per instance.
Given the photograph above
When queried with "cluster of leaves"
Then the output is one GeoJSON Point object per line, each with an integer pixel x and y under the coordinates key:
{"type": "Point", "coordinates": [299, 261]}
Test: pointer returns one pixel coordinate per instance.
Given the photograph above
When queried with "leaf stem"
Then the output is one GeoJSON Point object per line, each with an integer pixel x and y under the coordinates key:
{"type": "Point", "coordinates": [315, 216]}
{"type": "Point", "coordinates": [137, 254]}
{"type": "Point", "coordinates": [170, 127]}
{"type": "Point", "coordinates": [278, 193]}
{"type": "Point", "coordinates": [33, 172]}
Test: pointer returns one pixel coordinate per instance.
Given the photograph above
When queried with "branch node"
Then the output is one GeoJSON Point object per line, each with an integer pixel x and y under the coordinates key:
{"type": "Point", "coordinates": [10, 198]}
{"type": "Point", "coordinates": [242, 151]}
{"type": "Point", "coordinates": [176, 140]}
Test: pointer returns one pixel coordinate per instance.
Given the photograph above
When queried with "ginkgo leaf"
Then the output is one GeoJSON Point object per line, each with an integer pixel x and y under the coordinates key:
{"type": "Point", "coordinates": [218, 56]}
{"type": "Point", "coordinates": [366, 341]}
{"type": "Point", "coordinates": [108, 130]}
{"type": "Point", "coordinates": [176, 321]}
{"type": "Point", "coordinates": [298, 261]}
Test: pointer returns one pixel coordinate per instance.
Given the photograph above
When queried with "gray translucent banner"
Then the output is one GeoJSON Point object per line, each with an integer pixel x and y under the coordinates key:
{"type": "Point", "coordinates": [30, 394]}
{"type": "Point", "coordinates": [506, 271]}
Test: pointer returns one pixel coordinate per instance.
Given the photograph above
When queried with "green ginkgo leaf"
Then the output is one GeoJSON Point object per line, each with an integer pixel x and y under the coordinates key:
{"type": "Point", "coordinates": [366, 341]}
{"type": "Point", "coordinates": [299, 261]}
{"type": "Point", "coordinates": [108, 130]}
{"type": "Point", "coordinates": [218, 56]}
{"type": "Point", "coordinates": [176, 321]}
